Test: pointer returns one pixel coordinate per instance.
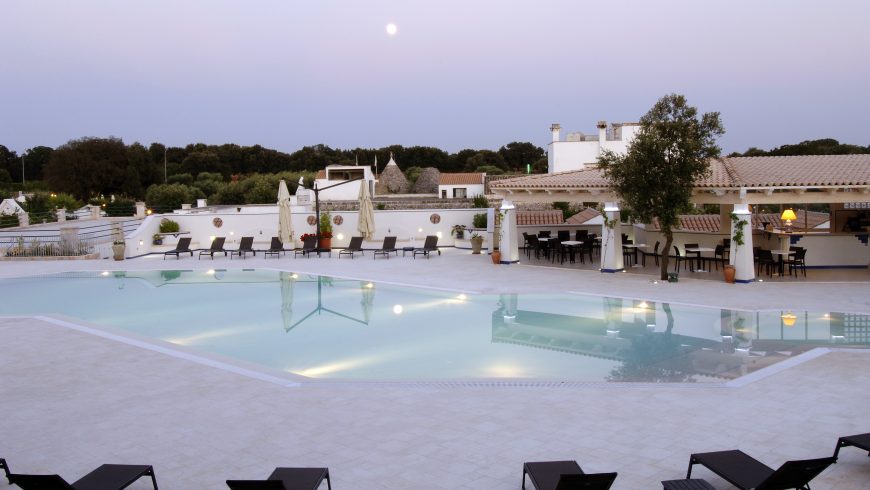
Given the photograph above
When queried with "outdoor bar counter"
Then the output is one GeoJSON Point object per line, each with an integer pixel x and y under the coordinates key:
{"type": "Point", "coordinates": [839, 249]}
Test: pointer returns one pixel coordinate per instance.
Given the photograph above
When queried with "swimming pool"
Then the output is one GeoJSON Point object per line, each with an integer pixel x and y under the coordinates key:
{"type": "Point", "coordinates": [332, 328]}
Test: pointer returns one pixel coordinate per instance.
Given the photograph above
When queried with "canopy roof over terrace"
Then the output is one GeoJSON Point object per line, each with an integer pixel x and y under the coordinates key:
{"type": "Point", "coordinates": [732, 180]}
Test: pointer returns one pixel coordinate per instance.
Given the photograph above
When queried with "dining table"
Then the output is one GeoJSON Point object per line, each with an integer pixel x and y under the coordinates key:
{"type": "Point", "coordinates": [699, 251]}
{"type": "Point", "coordinates": [780, 254]}
{"type": "Point", "coordinates": [635, 246]}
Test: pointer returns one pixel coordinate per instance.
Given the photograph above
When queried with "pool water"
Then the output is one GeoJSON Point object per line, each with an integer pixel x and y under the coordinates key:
{"type": "Point", "coordinates": [322, 327]}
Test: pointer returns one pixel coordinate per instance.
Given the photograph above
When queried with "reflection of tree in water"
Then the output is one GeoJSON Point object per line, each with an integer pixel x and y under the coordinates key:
{"type": "Point", "coordinates": [170, 275]}
{"type": "Point", "coordinates": [655, 357]}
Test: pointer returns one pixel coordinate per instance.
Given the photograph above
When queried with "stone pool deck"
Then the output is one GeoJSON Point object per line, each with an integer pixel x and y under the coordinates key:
{"type": "Point", "coordinates": [73, 400]}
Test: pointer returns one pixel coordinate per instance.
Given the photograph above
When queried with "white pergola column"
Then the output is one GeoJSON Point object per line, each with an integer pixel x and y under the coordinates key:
{"type": "Point", "coordinates": [611, 241]}
{"type": "Point", "coordinates": [508, 246]}
{"type": "Point", "coordinates": [741, 256]}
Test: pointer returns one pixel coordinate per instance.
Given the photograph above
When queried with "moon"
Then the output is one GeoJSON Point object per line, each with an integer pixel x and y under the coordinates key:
{"type": "Point", "coordinates": [392, 29]}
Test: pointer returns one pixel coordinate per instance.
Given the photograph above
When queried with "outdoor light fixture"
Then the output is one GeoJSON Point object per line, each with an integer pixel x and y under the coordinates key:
{"type": "Point", "coordinates": [788, 215]}
{"type": "Point", "coordinates": [788, 319]}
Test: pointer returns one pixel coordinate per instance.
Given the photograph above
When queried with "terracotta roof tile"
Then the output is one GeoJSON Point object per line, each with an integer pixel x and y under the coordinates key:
{"type": "Point", "coordinates": [462, 178]}
{"type": "Point", "coordinates": [549, 217]}
{"type": "Point", "coordinates": [710, 222]}
{"type": "Point", "coordinates": [583, 216]}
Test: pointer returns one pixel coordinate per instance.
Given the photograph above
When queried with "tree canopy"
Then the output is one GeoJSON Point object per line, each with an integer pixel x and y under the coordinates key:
{"type": "Point", "coordinates": [656, 176]}
{"type": "Point", "coordinates": [825, 146]}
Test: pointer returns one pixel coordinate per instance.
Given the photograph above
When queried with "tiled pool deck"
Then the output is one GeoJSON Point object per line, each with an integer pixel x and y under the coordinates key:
{"type": "Point", "coordinates": [71, 401]}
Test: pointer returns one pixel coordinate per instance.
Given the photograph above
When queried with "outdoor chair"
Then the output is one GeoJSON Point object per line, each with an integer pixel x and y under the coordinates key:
{"type": "Point", "coordinates": [861, 441]}
{"type": "Point", "coordinates": [534, 245]}
{"type": "Point", "coordinates": [246, 246]}
{"type": "Point", "coordinates": [765, 261]}
{"type": "Point", "coordinates": [183, 246]}
{"type": "Point", "coordinates": [388, 247]}
{"type": "Point", "coordinates": [275, 248]}
{"type": "Point", "coordinates": [563, 235]}
{"type": "Point", "coordinates": [654, 254]}
{"type": "Point", "coordinates": [217, 246]}
{"type": "Point", "coordinates": [746, 472]}
{"type": "Point", "coordinates": [309, 245]}
{"type": "Point", "coordinates": [430, 245]}
{"type": "Point", "coordinates": [627, 252]}
{"type": "Point", "coordinates": [692, 255]}
{"type": "Point", "coordinates": [527, 243]}
{"type": "Point", "coordinates": [678, 259]}
{"type": "Point", "coordinates": [353, 247]}
{"type": "Point", "coordinates": [596, 244]}
{"type": "Point", "coordinates": [564, 475]}
{"type": "Point", "coordinates": [5, 470]}
{"type": "Point", "coordinates": [718, 256]}
{"type": "Point", "coordinates": [106, 477]}
{"type": "Point", "coordinates": [581, 235]}
{"type": "Point", "coordinates": [286, 478]}
{"type": "Point", "coordinates": [797, 262]}
{"type": "Point", "coordinates": [543, 234]}
{"type": "Point", "coordinates": [586, 250]}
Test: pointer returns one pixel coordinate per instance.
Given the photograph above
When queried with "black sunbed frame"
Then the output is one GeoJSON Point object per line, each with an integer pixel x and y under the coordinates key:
{"type": "Point", "coordinates": [105, 477]}
{"type": "Point", "coordinates": [554, 475]}
{"type": "Point", "coordinates": [746, 472]}
{"type": "Point", "coordinates": [295, 478]}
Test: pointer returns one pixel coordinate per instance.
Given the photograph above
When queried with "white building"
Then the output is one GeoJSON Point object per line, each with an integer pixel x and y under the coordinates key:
{"type": "Point", "coordinates": [335, 174]}
{"type": "Point", "coordinates": [461, 185]}
{"type": "Point", "coordinates": [579, 150]}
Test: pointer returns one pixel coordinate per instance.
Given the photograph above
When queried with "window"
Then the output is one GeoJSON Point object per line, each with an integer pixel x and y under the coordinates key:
{"type": "Point", "coordinates": [443, 193]}
{"type": "Point", "coordinates": [459, 192]}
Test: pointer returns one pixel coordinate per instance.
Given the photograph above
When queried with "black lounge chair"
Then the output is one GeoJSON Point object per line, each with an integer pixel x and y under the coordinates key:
{"type": "Point", "coordinates": [183, 246]}
{"type": "Point", "coordinates": [286, 479]}
{"type": "Point", "coordinates": [430, 245]}
{"type": "Point", "coordinates": [353, 247]}
{"type": "Point", "coordinates": [5, 470]}
{"type": "Point", "coordinates": [746, 472]}
{"type": "Point", "coordinates": [564, 475]}
{"type": "Point", "coordinates": [106, 477]}
{"type": "Point", "coordinates": [388, 246]}
{"type": "Point", "coordinates": [309, 245]}
{"type": "Point", "coordinates": [275, 248]}
{"type": "Point", "coordinates": [217, 246]}
{"type": "Point", "coordinates": [861, 441]}
{"type": "Point", "coordinates": [246, 246]}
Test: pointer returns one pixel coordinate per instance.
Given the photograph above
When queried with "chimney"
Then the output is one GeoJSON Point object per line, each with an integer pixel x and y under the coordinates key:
{"type": "Point", "coordinates": [602, 132]}
{"type": "Point", "coordinates": [555, 129]}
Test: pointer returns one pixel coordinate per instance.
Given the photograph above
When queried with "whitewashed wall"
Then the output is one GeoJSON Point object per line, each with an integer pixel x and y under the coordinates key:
{"type": "Point", "coordinates": [471, 190]}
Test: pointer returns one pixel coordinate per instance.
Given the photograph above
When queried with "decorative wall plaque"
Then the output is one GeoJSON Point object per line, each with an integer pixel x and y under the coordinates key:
{"type": "Point", "coordinates": [217, 222]}
{"type": "Point", "coordinates": [435, 219]}
{"type": "Point", "coordinates": [312, 220]}
{"type": "Point", "coordinates": [338, 220]}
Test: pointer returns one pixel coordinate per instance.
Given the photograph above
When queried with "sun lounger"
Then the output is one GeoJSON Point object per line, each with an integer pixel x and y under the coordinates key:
{"type": "Point", "coordinates": [275, 248]}
{"type": "Point", "coordinates": [286, 478]}
{"type": "Point", "coordinates": [430, 245]}
{"type": "Point", "coordinates": [217, 246]}
{"type": "Point", "coordinates": [690, 484]}
{"type": "Point", "coordinates": [861, 441]}
{"type": "Point", "coordinates": [106, 477]}
{"type": "Point", "coordinates": [309, 246]}
{"type": "Point", "coordinates": [388, 247]}
{"type": "Point", "coordinates": [5, 470]}
{"type": "Point", "coordinates": [746, 472]}
{"type": "Point", "coordinates": [183, 246]}
{"type": "Point", "coordinates": [564, 475]}
{"type": "Point", "coordinates": [246, 246]}
{"type": "Point", "coordinates": [353, 247]}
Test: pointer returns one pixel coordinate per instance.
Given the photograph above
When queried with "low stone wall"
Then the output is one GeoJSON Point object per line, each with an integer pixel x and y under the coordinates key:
{"type": "Point", "coordinates": [92, 256]}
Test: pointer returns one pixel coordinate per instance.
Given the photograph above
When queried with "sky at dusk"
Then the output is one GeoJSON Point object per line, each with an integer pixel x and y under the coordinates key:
{"type": "Point", "coordinates": [457, 74]}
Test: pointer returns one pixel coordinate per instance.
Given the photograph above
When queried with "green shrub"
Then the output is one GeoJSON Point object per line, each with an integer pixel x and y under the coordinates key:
{"type": "Point", "coordinates": [169, 226]}
{"type": "Point", "coordinates": [479, 220]}
{"type": "Point", "coordinates": [479, 201]}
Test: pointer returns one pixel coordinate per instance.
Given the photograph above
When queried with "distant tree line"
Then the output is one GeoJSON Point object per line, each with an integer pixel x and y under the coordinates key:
{"type": "Point", "coordinates": [90, 168]}
{"type": "Point", "coordinates": [826, 146]}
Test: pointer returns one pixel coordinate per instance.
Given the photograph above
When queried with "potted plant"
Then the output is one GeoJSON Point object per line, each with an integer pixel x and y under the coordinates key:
{"type": "Point", "coordinates": [325, 238]}
{"type": "Point", "coordinates": [157, 239]}
{"type": "Point", "coordinates": [118, 248]}
{"type": "Point", "coordinates": [476, 243]}
{"type": "Point", "coordinates": [737, 225]}
{"type": "Point", "coordinates": [458, 231]}
{"type": "Point", "coordinates": [496, 238]}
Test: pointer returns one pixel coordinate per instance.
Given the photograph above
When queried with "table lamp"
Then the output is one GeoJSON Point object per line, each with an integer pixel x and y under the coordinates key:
{"type": "Point", "coordinates": [787, 216]}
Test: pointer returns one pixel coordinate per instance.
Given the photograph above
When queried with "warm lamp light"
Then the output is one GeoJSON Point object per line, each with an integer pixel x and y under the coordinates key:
{"type": "Point", "coordinates": [788, 319]}
{"type": "Point", "coordinates": [787, 216]}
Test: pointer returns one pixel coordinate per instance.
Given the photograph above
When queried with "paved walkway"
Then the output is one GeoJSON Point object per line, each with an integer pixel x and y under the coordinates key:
{"type": "Point", "coordinates": [72, 400]}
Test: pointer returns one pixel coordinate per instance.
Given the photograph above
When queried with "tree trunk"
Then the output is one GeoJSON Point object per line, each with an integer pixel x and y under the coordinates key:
{"type": "Point", "coordinates": [666, 253]}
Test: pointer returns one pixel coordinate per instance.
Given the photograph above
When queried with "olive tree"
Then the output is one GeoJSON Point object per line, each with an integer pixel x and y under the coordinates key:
{"type": "Point", "coordinates": [656, 176]}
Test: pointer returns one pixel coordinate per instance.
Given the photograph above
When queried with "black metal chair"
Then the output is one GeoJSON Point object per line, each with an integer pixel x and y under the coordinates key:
{"type": "Point", "coordinates": [183, 246]}
{"type": "Point", "coordinates": [678, 259]}
{"type": "Point", "coordinates": [797, 262]}
{"type": "Point", "coordinates": [692, 255]}
{"type": "Point", "coordinates": [275, 248]}
{"type": "Point", "coordinates": [286, 478]}
{"type": "Point", "coordinates": [217, 246]}
{"type": "Point", "coordinates": [309, 246]}
{"type": "Point", "coordinates": [5, 470]}
{"type": "Point", "coordinates": [718, 256]}
{"type": "Point", "coordinates": [581, 235]}
{"type": "Point", "coordinates": [353, 247]}
{"type": "Point", "coordinates": [563, 235]}
{"type": "Point", "coordinates": [429, 245]}
{"type": "Point", "coordinates": [564, 475]}
{"type": "Point", "coordinates": [246, 246]}
{"type": "Point", "coordinates": [105, 477]}
{"type": "Point", "coordinates": [765, 261]}
{"type": "Point", "coordinates": [654, 254]}
{"type": "Point", "coordinates": [628, 255]}
{"type": "Point", "coordinates": [746, 472]}
{"type": "Point", "coordinates": [389, 246]}
{"type": "Point", "coordinates": [544, 234]}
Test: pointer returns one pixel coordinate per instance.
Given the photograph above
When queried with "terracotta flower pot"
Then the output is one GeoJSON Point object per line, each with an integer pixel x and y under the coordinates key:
{"type": "Point", "coordinates": [730, 272]}
{"type": "Point", "coordinates": [496, 257]}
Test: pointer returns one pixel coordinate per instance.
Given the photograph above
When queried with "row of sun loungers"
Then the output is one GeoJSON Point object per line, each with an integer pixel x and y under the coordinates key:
{"type": "Point", "coordinates": [309, 246]}
{"type": "Point", "coordinates": [735, 466]}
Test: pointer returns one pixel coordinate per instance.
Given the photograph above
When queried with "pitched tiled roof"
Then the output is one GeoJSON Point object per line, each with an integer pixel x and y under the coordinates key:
{"type": "Point", "coordinates": [462, 178]}
{"type": "Point", "coordinates": [583, 216]}
{"type": "Point", "coordinates": [321, 174]}
{"type": "Point", "coordinates": [710, 222]}
{"type": "Point", "coordinates": [549, 217]}
{"type": "Point", "coordinates": [733, 172]}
